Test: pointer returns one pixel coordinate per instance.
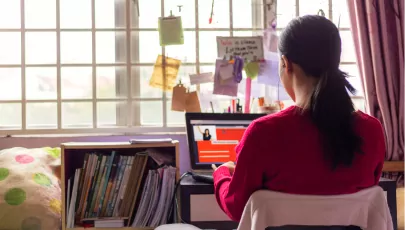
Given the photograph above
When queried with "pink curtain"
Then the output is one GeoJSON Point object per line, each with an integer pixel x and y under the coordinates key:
{"type": "Point", "coordinates": [378, 34]}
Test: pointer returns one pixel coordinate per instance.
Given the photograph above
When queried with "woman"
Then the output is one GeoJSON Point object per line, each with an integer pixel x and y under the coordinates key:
{"type": "Point", "coordinates": [206, 135]}
{"type": "Point", "coordinates": [320, 146]}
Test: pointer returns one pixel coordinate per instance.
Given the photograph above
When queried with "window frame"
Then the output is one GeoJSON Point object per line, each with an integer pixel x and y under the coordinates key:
{"type": "Point", "coordinates": [128, 119]}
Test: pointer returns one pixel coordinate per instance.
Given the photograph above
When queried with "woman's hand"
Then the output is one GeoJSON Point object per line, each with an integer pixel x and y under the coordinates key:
{"type": "Point", "coordinates": [230, 165]}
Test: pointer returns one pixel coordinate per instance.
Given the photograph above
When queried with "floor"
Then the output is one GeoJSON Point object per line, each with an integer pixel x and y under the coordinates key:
{"type": "Point", "coordinates": [400, 208]}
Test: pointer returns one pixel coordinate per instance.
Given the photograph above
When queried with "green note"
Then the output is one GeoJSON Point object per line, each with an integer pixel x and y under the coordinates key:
{"type": "Point", "coordinates": [252, 69]}
{"type": "Point", "coordinates": [170, 31]}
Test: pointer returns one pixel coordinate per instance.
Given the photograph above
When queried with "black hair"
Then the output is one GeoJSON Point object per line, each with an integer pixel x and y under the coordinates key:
{"type": "Point", "coordinates": [206, 131]}
{"type": "Point", "coordinates": [313, 43]}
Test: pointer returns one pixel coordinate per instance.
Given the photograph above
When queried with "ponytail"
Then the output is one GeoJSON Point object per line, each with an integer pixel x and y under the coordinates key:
{"type": "Point", "coordinates": [331, 110]}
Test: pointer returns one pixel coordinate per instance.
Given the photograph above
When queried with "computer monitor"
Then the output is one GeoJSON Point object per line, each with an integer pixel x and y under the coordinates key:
{"type": "Point", "coordinates": [212, 137]}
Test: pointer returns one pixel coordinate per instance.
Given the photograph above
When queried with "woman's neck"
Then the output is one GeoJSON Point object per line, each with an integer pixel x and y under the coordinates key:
{"type": "Point", "coordinates": [303, 91]}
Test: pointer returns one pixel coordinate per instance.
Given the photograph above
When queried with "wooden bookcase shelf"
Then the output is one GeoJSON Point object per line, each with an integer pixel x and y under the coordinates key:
{"type": "Point", "coordinates": [73, 157]}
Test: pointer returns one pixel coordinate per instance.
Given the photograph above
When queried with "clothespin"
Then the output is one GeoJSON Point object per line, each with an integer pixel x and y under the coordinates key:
{"type": "Point", "coordinates": [179, 6]}
{"type": "Point", "coordinates": [321, 13]}
{"type": "Point", "coordinates": [269, 5]}
{"type": "Point", "coordinates": [224, 58]}
{"type": "Point", "coordinates": [255, 58]}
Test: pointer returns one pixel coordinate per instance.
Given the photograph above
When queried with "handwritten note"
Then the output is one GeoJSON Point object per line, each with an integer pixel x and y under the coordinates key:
{"type": "Point", "coordinates": [201, 78]}
{"type": "Point", "coordinates": [250, 48]}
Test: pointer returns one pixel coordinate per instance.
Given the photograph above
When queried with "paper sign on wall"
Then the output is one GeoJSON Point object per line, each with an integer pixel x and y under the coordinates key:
{"type": "Point", "coordinates": [250, 48]}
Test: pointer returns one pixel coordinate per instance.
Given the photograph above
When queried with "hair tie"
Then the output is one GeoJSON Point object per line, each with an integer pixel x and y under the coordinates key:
{"type": "Point", "coordinates": [237, 69]}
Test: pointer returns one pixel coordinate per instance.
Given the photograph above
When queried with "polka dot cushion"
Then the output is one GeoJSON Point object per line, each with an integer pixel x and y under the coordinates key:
{"type": "Point", "coordinates": [30, 195]}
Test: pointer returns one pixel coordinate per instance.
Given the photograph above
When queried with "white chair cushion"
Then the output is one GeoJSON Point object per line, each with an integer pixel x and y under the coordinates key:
{"type": "Point", "coordinates": [177, 227]}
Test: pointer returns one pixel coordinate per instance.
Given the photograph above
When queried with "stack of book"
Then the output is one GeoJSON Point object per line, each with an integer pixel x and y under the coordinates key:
{"type": "Point", "coordinates": [155, 206]}
{"type": "Point", "coordinates": [105, 188]}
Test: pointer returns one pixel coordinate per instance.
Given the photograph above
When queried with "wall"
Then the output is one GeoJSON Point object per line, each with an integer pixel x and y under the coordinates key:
{"type": "Point", "coordinates": [36, 142]}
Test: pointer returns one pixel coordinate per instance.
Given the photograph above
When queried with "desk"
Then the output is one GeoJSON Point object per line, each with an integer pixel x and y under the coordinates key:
{"type": "Point", "coordinates": [199, 208]}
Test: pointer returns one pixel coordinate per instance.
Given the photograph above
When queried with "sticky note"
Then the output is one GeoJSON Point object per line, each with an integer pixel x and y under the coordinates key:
{"type": "Point", "coordinates": [221, 87]}
{"type": "Point", "coordinates": [170, 31]}
{"type": "Point", "coordinates": [165, 73]}
{"type": "Point", "coordinates": [192, 103]}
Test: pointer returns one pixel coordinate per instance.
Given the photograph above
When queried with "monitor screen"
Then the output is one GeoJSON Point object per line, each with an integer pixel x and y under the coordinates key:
{"type": "Point", "coordinates": [213, 141]}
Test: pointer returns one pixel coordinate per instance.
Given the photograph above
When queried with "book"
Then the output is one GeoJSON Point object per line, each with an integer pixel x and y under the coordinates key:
{"type": "Point", "coordinates": [110, 185]}
{"type": "Point", "coordinates": [124, 164]}
{"type": "Point", "coordinates": [96, 191]}
{"type": "Point", "coordinates": [104, 183]}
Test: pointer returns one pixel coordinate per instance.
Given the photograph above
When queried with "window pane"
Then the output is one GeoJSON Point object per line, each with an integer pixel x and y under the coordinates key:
{"type": "Point", "coordinates": [359, 104]}
{"type": "Point", "coordinates": [149, 47]}
{"type": "Point", "coordinates": [111, 82]}
{"type": "Point", "coordinates": [221, 14]}
{"type": "Point", "coordinates": [207, 87]}
{"type": "Point", "coordinates": [187, 12]}
{"type": "Point", "coordinates": [40, 83]}
{"type": "Point", "coordinates": [285, 12]}
{"type": "Point", "coordinates": [10, 116]}
{"type": "Point", "coordinates": [110, 13]}
{"type": "Point", "coordinates": [107, 113]}
{"type": "Point", "coordinates": [10, 14]}
{"type": "Point", "coordinates": [184, 76]}
{"type": "Point", "coordinates": [142, 75]}
{"type": "Point", "coordinates": [40, 14]}
{"type": "Point", "coordinates": [77, 114]}
{"type": "Point", "coordinates": [149, 19]}
{"type": "Point", "coordinates": [10, 46]}
{"type": "Point", "coordinates": [313, 6]}
{"type": "Point", "coordinates": [40, 47]}
{"type": "Point", "coordinates": [10, 84]}
{"type": "Point", "coordinates": [187, 52]}
{"type": "Point", "coordinates": [37, 117]}
{"type": "Point", "coordinates": [242, 7]}
{"type": "Point", "coordinates": [208, 45]}
{"type": "Point", "coordinates": [110, 47]}
{"type": "Point", "coordinates": [348, 50]}
{"type": "Point", "coordinates": [76, 82]}
{"type": "Point", "coordinates": [340, 9]}
{"type": "Point", "coordinates": [174, 118]}
{"type": "Point", "coordinates": [247, 33]}
{"type": "Point", "coordinates": [76, 47]}
{"type": "Point", "coordinates": [151, 113]}
{"type": "Point", "coordinates": [75, 14]}
{"type": "Point", "coordinates": [354, 78]}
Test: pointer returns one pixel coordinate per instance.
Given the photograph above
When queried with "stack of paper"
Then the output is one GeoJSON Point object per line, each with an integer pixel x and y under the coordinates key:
{"type": "Point", "coordinates": [109, 223]}
{"type": "Point", "coordinates": [157, 195]}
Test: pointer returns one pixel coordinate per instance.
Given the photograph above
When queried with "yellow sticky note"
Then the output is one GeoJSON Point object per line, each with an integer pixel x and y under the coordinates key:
{"type": "Point", "coordinates": [252, 69]}
{"type": "Point", "coordinates": [170, 31]}
{"type": "Point", "coordinates": [165, 73]}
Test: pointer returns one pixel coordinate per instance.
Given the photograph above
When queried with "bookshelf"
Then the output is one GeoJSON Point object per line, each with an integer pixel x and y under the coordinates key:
{"type": "Point", "coordinates": [73, 157]}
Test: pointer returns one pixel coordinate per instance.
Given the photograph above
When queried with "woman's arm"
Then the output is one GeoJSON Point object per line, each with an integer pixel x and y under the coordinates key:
{"type": "Point", "coordinates": [233, 191]}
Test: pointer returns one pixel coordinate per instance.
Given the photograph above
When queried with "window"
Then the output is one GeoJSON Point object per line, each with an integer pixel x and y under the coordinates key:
{"type": "Point", "coordinates": [336, 11]}
{"type": "Point", "coordinates": [76, 66]}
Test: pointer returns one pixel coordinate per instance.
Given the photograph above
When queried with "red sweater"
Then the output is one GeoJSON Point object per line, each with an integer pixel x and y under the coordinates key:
{"type": "Point", "coordinates": [281, 152]}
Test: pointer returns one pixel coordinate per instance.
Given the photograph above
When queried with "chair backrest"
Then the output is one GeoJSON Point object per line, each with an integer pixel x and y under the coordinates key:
{"type": "Point", "coordinates": [366, 209]}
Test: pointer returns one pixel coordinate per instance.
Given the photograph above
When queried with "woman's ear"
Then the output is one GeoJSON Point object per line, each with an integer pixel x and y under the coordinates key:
{"type": "Point", "coordinates": [286, 64]}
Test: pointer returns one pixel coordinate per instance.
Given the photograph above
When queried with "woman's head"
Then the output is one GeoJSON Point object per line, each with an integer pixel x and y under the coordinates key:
{"type": "Point", "coordinates": [207, 131]}
{"type": "Point", "coordinates": [310, 49]}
